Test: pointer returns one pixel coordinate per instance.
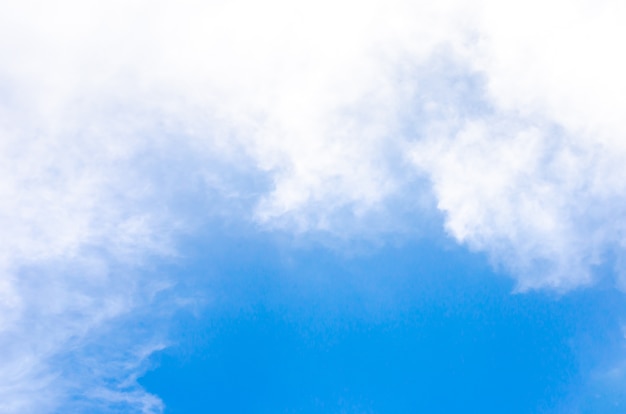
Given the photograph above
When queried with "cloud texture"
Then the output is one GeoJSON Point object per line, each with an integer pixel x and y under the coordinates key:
{"type": "Point", "coordinates": [307, 117]}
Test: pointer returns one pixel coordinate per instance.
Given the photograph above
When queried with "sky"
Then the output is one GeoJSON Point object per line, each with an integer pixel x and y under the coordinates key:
{"type": "Point", "coordinates": [312, 207]}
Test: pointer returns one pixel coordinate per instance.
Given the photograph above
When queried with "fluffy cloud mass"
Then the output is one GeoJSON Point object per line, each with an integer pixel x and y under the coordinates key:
{"type": "Point", "coordinates": [537, 180]}
{"type": "Point", "coordinates": [307, 117]}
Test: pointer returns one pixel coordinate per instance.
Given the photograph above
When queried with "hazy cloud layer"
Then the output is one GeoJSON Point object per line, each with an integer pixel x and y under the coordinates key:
{"type": "Point", "coordinates": [323, 116]}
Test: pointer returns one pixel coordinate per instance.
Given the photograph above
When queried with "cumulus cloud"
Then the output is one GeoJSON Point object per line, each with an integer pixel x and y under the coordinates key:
{"type": "Point", "coordinates": [537, 180]}
{"type": "Point", "coordinates": [301, 116]}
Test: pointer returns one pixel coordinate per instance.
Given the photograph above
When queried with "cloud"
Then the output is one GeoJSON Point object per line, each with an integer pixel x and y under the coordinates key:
{"type": "Point", "coordinates": [78, 219]}
{"type": "Point", "coordinates": [537, 181]}
{"type": "Point", "coordinates": [123, 123]}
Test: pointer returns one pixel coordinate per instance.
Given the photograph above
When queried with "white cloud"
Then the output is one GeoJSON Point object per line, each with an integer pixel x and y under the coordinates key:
{"type": "Point", "coordinates": [538, 181]}
{"type": "Point", "coordinates": [77, 217]}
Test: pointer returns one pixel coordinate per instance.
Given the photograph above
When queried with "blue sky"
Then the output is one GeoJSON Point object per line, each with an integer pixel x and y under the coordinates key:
{"type": "Point", "coordinates": [420, 327]}
{"type": "Point", "coordinates": [312, 207]}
